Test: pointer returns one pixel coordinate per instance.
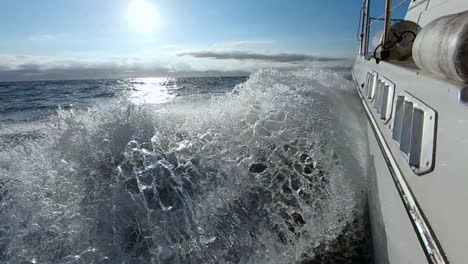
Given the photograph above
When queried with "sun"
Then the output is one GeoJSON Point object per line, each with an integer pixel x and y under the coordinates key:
{"type": "Point", "coordinates": [142, 16]}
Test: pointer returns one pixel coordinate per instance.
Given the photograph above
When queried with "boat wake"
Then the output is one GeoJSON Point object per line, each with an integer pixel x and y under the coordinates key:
{"type": "Point", "coordinates": [270, 173]}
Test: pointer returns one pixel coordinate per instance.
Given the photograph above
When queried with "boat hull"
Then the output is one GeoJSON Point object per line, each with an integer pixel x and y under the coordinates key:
{"type": "Point", "coordinates": [413, 215]}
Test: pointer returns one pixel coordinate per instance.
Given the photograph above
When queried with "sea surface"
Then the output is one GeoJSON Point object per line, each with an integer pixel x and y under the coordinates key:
{"type": "Point", "coordinates": [267, 168]}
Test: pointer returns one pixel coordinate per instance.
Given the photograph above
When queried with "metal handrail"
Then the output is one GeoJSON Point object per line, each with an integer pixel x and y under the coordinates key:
{"type": "Point", "coordinates": [364, 32]}
{"type": "Point", "coordinates": [366, 21]}
{"type": "Point", "coordinates": [388, 17]}
{"type": "Point", "coordinates": [361, 25]}
{"type": "Point", "coordinates": [367, 30]}
{"type": "Point", "coordinates": [380, 18]}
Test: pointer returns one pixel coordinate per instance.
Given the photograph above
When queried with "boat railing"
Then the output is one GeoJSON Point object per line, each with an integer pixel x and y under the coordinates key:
{"type": "Point", "coordinates": [366, 21]}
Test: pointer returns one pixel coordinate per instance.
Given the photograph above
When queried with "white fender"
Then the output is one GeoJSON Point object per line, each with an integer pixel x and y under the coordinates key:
{"type": "Point", "coordinates": [441, 48]}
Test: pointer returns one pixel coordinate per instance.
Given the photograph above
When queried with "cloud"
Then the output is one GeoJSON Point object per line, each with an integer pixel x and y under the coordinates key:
{"type": "Point", "coordinates": [243, 44]}
{"type": "Point", "coordinates": [194, 63]}
{"type": "Point", "coordinates": [29, 68]}
{"type": "Point", "coordinates": [43, 37]}
{"type": "Point", "coordinates": [241, 55]}
{"type": "Point", "coordinates": [48, 37]}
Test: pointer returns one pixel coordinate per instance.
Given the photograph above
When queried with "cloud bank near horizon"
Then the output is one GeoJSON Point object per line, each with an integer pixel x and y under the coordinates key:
{"type": "Point", "coordinates": [245, 55]}
{"type": "Point", "coordinates": [34, 72]}
{"type": "Point", "coordinates": [31, 68]}
{"type": "Point", "coordinates": [180, 64]}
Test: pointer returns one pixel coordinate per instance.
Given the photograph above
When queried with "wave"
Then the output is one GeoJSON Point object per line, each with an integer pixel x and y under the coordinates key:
{"type": "Point", "coordinates": [270, 173]}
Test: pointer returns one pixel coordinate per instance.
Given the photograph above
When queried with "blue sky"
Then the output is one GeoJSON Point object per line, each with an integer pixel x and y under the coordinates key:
{"type": "Point", "coordinates": [51, 38]}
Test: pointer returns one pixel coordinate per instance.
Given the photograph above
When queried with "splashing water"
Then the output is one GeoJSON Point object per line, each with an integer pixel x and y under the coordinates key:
{"type": "Point", "coordinates": [270, 173]}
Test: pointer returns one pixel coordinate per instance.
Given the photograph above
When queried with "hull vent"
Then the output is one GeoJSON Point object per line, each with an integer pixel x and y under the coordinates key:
{"type": "Point", "coordinates": [414, 128]}
{"type": "Point", "coordinates": [371, 83]}
{"type": "Point", "coordinates": [384, 94]}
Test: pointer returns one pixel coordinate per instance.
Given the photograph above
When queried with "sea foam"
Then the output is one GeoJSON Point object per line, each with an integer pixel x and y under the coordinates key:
{"type": "Point", "coordinates": [272, 172]}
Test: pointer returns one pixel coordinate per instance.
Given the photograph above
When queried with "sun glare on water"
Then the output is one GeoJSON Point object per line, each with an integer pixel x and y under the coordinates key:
{"type": "Point", "coordinates": [142, 16]}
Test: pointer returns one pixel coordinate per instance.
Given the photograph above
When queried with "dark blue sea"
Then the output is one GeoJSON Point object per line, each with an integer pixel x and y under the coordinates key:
{"type": "Point", "coordinates": [267, 168]}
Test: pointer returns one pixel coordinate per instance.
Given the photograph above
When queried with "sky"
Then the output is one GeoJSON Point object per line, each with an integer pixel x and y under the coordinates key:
{"type": "Point", "coordinates": [88, 39]}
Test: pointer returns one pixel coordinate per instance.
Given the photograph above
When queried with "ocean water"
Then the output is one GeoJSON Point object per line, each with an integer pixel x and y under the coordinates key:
{"type": "Point", "coordinates": [268, 168]}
